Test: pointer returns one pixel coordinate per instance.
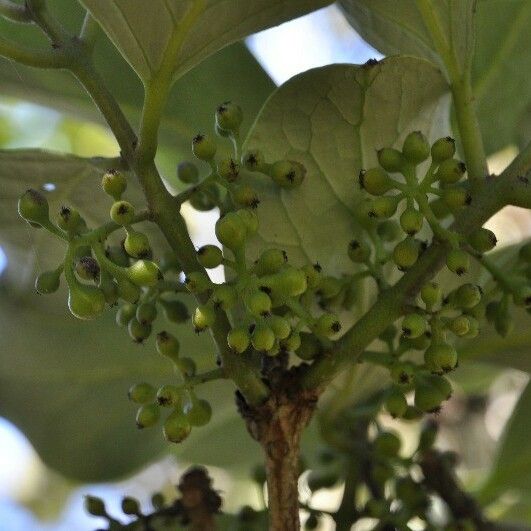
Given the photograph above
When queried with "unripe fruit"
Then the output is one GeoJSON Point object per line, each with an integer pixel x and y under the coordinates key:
{"type": "Point", "coordinates": [313, 274]}
{"type": "Point", "coordinates": [88, 268]}
{"type": "Point", "coordinates": [94, 506]}
{"type": "Point", "coordinates": [238, 339]}
{"type": "Point", "coordinates": [175, 311]}
{"type": "Point", "coordinates": [85, 302]}
{"type": "Point", "coordinates": [167, 345]}
{"type": "Point", "coordinates": [158, 501]}
{"type": "Point", "coordinates": [384, 207]}
{"type": "Point", "coordinates": [406, 253]}
{"type": "Point", "coordinates": [210, 256]}
{"type": "Point", "coordinates": [137, 245]}
{"type": "Point", "coordinates": [419, 343]}
{"type": "Point", "coordinates": [288, 173]}
{"type": "Point", "coordinates": [482, 240]}
{"type": "Point", "coordinates": [228, 169]}
{"type": "Point", "coordinates": [109, 288]}
{"type": "Point", "coordinates": [395, 403]}
{"type": "Point", "coordinates": [254, 160]}
{"type": "Point", "coordinates": [198, 411]}
{"type": "Point", "coordinates": [411, 221]}
{"type": "Point", "coordinates": [387, 444]}
{"type": "Point", "coordinates": [467, 296]}
{"type": "Point", "coordinates": [289, 282]}
{"type": "Point", "coordinates": [206, 199]}
{"type": "Point", "coordinates": [402, 373]}
{"type": "Point", "coordinates": [440, 358]}
{"type": "Point", "coordinates": [258, 303]}
{"type": "Point", "coordinates": [138, 331]}
{"type": "Point", "coordinates": [187, 172]}
{"type": "Point", "coordinates": [358, 251]}
{"type": "Point", "coordinates": [229, 116]}
{"type": "Point", "coordinates": [456, 196]}
{"type": "Point", "coordinates": [450, 171]}
{"type": "Point", "coordinates": [176, 428]}
{"type": "Point", "coordinates": [473, 329]}
{"type": "Point", "coordinates": [141, 393]}
{"type": "Point", "coordinates": [130, 506]}
{"type": "Point", "coordinates": [270, 261]}
{"type": "Point", "coordinates": [146, 312]}
{"type": "Point", "coordinates": [204, 317]}
{"type": "Point", "coordinates": [292, 343]}
{"type": "Point", "coordinates": [327, 325]}
{"type": "Point", "coordinates": [458, 261]}
{"type": "Point", "coordinates": [122, 212]}
{"type": "Point", "coordinates": [245, 195]}
{"type": "Point", "coordinates": [128, 291]}
{"type": "Point", "coordinates": [388, 230]}
{"type": "Point", "coordinates": [280, 326]}
{"type": "Point", "coordinates": [225, 297]}
{"type": "Point", "coordinates": [250, 220]}
{"type": "Point", "coordinates": [125, 313]}
{"type": "Point", "coordinates": [414, 325]}
{"type": "Point", "coordinates": [460, 326]}
{"type": "Point", "coordinates": [443, 149]}
{"type": "Point", "coordinates": [427, 397]}
{"type": "Point", "coordinates": [310, 347]}
{"type": "Point", "coordinates": [416, 148]}
{"type": "Point", "coordinates": [147, 416]}
{"type": "Point", "coordinates": [168, 396]}
{"type": "Point", "coordinates": [48, 282]}
{"type": "Point", "coordinates": [231, 231]}
{"type": "Point", "coordinates": [116, 254]}
{"type": "Point", "coordinates": [197, 282]}
{"type": "Point", "coordinates": [204, 147]}
{"type": "Point", "coordinates": [263, 338]}
{"type": "Point", "coordinates": [114, 183]}
{"type": "Point", "coordinates": [70, 220]}
{"type": "Point", "coordinates": [391, 159]}
{"type": "Point", "coordinates": [329, 287]}
{"type": "Point", "coordinates": [33, 207]}
{"type": "Point", "coordinates": [144, 273]}
{"type": "Point", "coordinates": [431, 294]}
{"type": "Point", "coordinates": [375, 181]}
{"type": "Point", "coordinates": [440, 208]}
{"type": "Point", "coordinates": [322, 479]}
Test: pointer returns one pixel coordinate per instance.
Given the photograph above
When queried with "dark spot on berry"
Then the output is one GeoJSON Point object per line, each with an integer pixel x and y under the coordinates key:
{"type": "Point", "coordinates": [371, 62]}
{"type": "Point", "coordinates": [285, 256]}
{"type": "Point", "coordinates": [523, 179]}
{"type": "Point", "coordinates": [372, 214]}
{"type": "Point", "coordinates": [290, 176]}
{"type": "Point", "coordinates": [123, 209]}
{"type": "Point", "coordinates": [406, 331]}
{"type": "Point", "coordinates": [404, 377]}
{"type": "Point", "coordinates": [450, 139]}
{"type": "Point", "coordinates": [198, 138]}
{"type": "Point", "coordinates": [65, 213]}
{"type": "Point", "coordinates": [112, 171]}
{"type": "Point", "coordinates": [462, 167]}
{"type": "Point", "coordinates": [336, 326]}
{"type": "Point", "coordinates": [354, 244]}
{"type": "Point", "coordinates": [317, 267]}
{"type": "Point", "coordinates": [427, 333]}
{"type": "Point", "coordinates": [460, 271]}
{"type": "Point", "coordinates": [265, 289]}
{"type": "Point", "coordinates": [254, 203]}
{"type": "Point", "coordinates": [361, 179]}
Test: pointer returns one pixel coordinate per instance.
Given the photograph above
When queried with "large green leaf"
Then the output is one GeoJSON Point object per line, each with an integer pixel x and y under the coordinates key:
{"type": "Point", "coordinates": [142, 35]}
{"type": "Point", "coordinates": [501, 58]}
{"type": "Point", "coordinates": [233, 73]}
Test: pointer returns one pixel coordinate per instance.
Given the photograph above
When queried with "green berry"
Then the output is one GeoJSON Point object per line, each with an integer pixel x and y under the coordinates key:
{"type": "Point", "coordinates": [431, 294]}
{"type": "Point", "coordinates": [450, 171]}
{"type": "Point", "coordinates": [416, 148]}
{"type": "Point", "coordinates": [288, 173]}
{"type": "Point", "coordinates": [254, 160]}
{"type": "Point", "coordinates": [147, 416]}
{"type": "Point", "coordinates": [229, 117]}
{"type": "Point", "coordinates": [130, 506]}
{"type": "Point", "coordinates": [483, 240]}
{"type": "Point", "coordinates": [443, 149]}
{"type": "Point", "coordinates": [411, 221]}
{"type": "Point", "coordinates": [204, 147]}
{"type": "Point", "coordinates": [122, 212]}
{"type": "Point", "coordinates": [262, 338]}
{"type": "Point", "coordinates": [388, 230]}
{"type": "Point", "coordinates": [458, 261]}
{"type": "Point", "coordinates": [187, 367]}
{"type": "Point", "coordinates": [187, 172]}
{"type": "Point", "coordinates": [138, 331]}
{"type": "Point", "coordinates": [271, 261]}
{"type": "Point", "coordinates": [460, 326]}
{"type": "Point", "coordinates": [176, 428]}
{"type": "Point", "coordinates": [70, 220]}
{"type": "Point", "coordinates": [88, 268]}
{"type": "Point", "coordinates": [146, 312]}
{"type": "Point", "coordinates": [384, 207]}
{"type": "Point", "coordinates": [414, 325]}
{"type": "Point", "coordinates": [48, 282]}
{"type": "Point", "coordinates": [210, 256]}
{"type": "Point", "coordinates": [329, 288]}
{"type": "Point", "coordinates": [359, 251]}
{"type": "Point", "coordinates": [402, 373]}
{"type": "Point", "coordinates": [434, 387]}
{"type": "Point", "coordinates": [327, 325]}
{"type": "Point", "coordinates": [197, 282]}
{"type": "Point", "coordinates": [225, 297]}
{"type": "Point", "coordinates": [231, 231]}
{"type": "Point", "coordinates": [144, 273]}
{"type": "Point", "coordinates": [175, 311]}
{"type": "Point", "coordinates": [109, 288]}
{"type": "Point", "coordinates": [137, 245]}
{"type": "Point", "coordinates": [128, 291]}
{"type": "Point", "coordinates": [250, 220]}
{"type": "Point", "coordinates": [375, 181]}
{"type": "Point", "coordinates": [228, 169]}
{"type": "Point", "coordinates": [440, 208]}
{"type": "Point", "coordinates": [33, 207]}
{"type": "Point", "coordinates": [456, 196]}
{"type": "Point", "coordinates": [125, 313]}
{"type": "Point", "coordinates": [116, 254]}
{"type": "Point", "coordinates": [114, 183]}
{"type": "Point", "coordinates": [391, 160]}
{"type": "Point", "coordinates": [167, 345]}
{"type": "Point", "coordinates": [290, 344]}
{"type": "Point", "coordinates": [168, 396]}
{"type": "Point", "coordinates": [289, 282]}
{"type": "Point", "coordinates": [280, 326]}
{"type": "Point", "coordinates": [258, 303]}
{"type": "Point", "coordinates": [141, 393]}
{"type": "Point", "coordinates": [157, 501]}
{"type": "Point", "coordinates": [245, 195]}
{"type": "Point", "coordinates": [206, 199]}
{"type": "Point", "coordinates": [197, 411]}
{"type": "Point", "coordinates": [406, 253]}
{"type": "Point", "coordinates": [309, 348]}
{"type": "Point", "coordinates": [313, 274]}
{"type": "Point", "coordinates": [85, 302]}
{"type": "Point", "coordinates": [395, 403]}
{"type": "Point", "coordinates": [204, 317]}
{"type": "Point", "coordinates": [387, 444]}
{"type": "Point", "coordinates": [95, 506]}
{"type": "Point", "coordinates": [238, 339]}
{"type": "Point", "coordinates": [440, 358]}
{"type": "Point", "coordinates": [467, 296]}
